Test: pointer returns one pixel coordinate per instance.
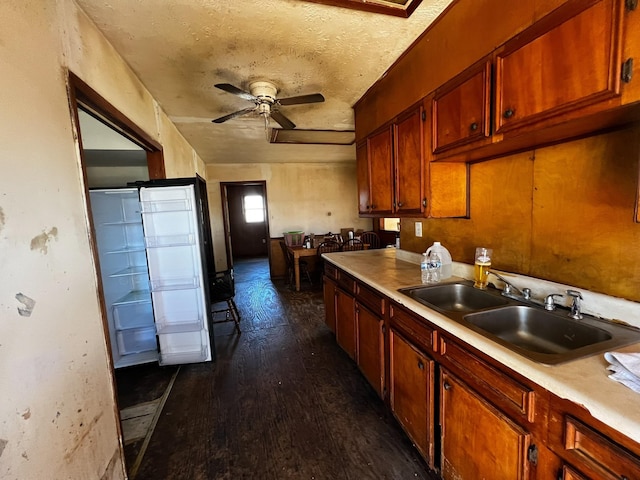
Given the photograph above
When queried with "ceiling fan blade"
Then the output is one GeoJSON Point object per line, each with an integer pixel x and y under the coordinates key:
{"type": "Point", "coordinates": [282, 120]}
{"type": "Point", "coordinates": [233, 115]}
{"type": "Point", "coordinates": [311, 98]}
{"type": "Point", "coordinates": [227, 87]}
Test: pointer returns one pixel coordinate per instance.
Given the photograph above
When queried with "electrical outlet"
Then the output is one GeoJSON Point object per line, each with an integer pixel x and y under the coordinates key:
{"type": "Point", "coordinates": [418, 229]}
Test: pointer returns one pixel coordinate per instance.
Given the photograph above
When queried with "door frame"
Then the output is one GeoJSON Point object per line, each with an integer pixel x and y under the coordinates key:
{"type": "Point", "coordinates": [225, 215]}
{"type": "Point", "coordinates": [82, 96]}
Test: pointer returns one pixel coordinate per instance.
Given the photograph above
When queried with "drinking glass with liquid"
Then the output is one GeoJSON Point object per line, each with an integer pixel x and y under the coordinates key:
{"type": "Point", "coordinates": [481, 267]}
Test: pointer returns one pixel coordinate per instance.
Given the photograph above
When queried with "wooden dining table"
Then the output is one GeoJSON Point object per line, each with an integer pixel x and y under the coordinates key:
{"type": "Point", "coordinates": [299, 252]}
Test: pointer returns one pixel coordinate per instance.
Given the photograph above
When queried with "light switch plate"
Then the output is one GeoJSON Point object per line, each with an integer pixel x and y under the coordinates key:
{"type": "Point", "coordinates": [418, 229]}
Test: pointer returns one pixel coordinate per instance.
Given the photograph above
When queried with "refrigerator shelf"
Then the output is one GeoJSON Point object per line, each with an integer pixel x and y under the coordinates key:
{"type": "Point", "coordinates": [171, 205]}
{"type": "Point", "coordinates": [133, 315]}
{"type": "Point", "coordinates": [123, 223]}
{"type": "Point", "coordinates": [136, 359]}
{"type": "Point", "coordinates": [126, 249]}
{"type": "Point", "coordinates": [130, 271]}
{"type": "Point", "coordinates": [170, 240]}
{"type": "Point", "coordinates": [136, 340]}
{"type": "Point", "coordinates": [135, 296]}
{"type": "Point", "coordinates": [179, 283]}
{"type": "Point", "coordinates": [165, 328]}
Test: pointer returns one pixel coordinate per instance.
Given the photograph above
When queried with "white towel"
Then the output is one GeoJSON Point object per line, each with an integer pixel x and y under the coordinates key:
{"type": "Point", "coordinates": [625, 368]}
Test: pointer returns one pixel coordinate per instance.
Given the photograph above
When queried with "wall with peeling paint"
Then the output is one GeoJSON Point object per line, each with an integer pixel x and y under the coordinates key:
{"type": "Point", "coordinates": [57, 408]}
{"type": "Point", "coordinates": [312, 197]}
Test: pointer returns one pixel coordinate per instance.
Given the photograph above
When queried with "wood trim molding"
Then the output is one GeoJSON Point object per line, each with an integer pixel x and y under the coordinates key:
{"type": "Point", "coordinates": [396, 9]}
{"type": "Point", "coordinates": [80, 93]}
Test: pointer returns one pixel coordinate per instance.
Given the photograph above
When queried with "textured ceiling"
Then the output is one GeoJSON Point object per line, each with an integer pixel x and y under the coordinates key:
{"type": "Point", "coordinates": [181, 48]}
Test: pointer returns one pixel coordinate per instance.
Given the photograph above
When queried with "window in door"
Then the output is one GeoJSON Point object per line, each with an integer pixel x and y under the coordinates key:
{"type": "Point", "coordinates": [253, 208]}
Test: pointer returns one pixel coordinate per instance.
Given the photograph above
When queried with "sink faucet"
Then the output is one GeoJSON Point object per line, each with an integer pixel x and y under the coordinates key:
{"type": "Point", "coordinates": [575, 306]}
{"type": "Point", "coordinates": [509, 287]}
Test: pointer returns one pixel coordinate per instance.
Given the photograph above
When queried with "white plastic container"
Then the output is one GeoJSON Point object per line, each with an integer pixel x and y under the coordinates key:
{"type": "Point", "coordinates": [445, 258]}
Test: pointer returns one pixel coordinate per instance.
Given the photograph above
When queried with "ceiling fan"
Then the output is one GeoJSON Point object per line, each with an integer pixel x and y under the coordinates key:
{"type": "Point", "coordinates": [263, 95]}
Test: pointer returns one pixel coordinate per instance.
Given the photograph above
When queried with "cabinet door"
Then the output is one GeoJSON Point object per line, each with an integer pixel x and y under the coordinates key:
{"type": "Point", "coordinates": [362, 172]}
{"type": "Point", "coordinates": [370, 349]}
{"type": "Point", "coordinates": [573, 63]}
{"type": "Point", "coordinates": [411, 385]}
{"type": "Point", "coordinates": [569, 473]}
{"type": "Point", "coordinates": [461, 109]}
{"type": "Point", "coordinates": [330, 304]}
{"type": "Point", "coordinates": [346, 322]}
{"type": "Point", "coordinates": [379, 152]}
{"type": "Point", "coordinates": [478, 441]}
{"type": "Point", "coordinates": [409, 163]}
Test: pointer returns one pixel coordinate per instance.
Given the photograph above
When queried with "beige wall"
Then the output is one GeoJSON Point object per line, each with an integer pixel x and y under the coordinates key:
{"type": "Point", "coordinates": [57, 404]}
{"type": "Point", "coordinates": [315, 198]}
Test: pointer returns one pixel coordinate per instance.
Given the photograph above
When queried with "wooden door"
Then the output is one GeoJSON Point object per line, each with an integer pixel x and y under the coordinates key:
{"type": "Point", "coordinates": [478, 441]}
{"type": "Point", "coordinates": [248, 234]}
{"type": "Point", "coordinates": [575, 62]}
{"type": "Point", "coordinates": [362, 172]}
{"type": "Point", "coordinates": [346, 322]}
{"type": "Point", "coordinates": [370, 349]}
{"type": "Point", "coordinates": [409, 162]}
{"type": "Point", "coordinates": [379, 152]}
{"type": "Point", "coordinates": [330, 304]}
{"type": "Point", "coordinates": [411, 383]}
{"type": "Point", "coordinates": [461, 109]}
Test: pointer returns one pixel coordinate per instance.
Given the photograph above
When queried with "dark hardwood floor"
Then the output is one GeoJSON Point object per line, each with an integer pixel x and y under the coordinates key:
{"type": "Point", "coordinates": [281, 402]}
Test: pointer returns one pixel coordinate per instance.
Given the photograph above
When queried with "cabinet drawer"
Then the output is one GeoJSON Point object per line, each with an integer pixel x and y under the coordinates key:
{"type": "Point", "coordinates": [346, 282]}
{"type": "Point", "coordinates": [415, 329]}
{"type": "Point", "coordinates": [372, 299]}
{"type": "Point", "coordinates": [504, 390]}
{"type": "Point", "coordinates": [330, 271]}
{"type": "Point", "coordinates": [569, 473]}
{"type": "Point", "coordinates": [598, 455]}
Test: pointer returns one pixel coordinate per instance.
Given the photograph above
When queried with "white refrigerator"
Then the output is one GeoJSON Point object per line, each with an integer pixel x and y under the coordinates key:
{"type": "Point", "coordinates": [154, 277]}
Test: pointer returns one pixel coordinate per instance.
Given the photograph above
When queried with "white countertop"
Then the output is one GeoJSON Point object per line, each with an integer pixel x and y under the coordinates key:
{"type": "Point", "coordinates": [583, 381]}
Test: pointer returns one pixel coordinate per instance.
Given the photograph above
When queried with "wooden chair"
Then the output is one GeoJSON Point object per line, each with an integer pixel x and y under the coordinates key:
{"type": "Point", "coordinates": [223, 290]}
{"type": "Point", "coordinates": [325, 247]}
{"type": "Point", "coordinates": [370, 238]}
{"type": "Point", "coordinates": [304, 266]}
{"type": "Point", "coordinates": [351, 245]}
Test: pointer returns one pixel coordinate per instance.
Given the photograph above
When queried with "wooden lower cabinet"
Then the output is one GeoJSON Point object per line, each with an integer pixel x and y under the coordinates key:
{"type": "Point", "coordinates": [411, 392]}
{"type": "Point", "coordinates": [478, 441]}
{"type": "Point", "coordinates": [329, 303]}
{"type": "Point", "coordinates": [569, 473]}
{"type": "Point", "coordinates": [370, 347]}
{"type": "Point", "coordinates": [346, 322]}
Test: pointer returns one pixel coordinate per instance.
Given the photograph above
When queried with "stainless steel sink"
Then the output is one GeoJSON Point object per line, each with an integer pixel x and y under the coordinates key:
{"type": "Point", "coordinates": [537, 330]}
{"type": "Point", "coordinates": [539, 335]}
{"type": "Point", "coordinates": [547, 337]}
{"type": "Point", "coordinates": [455, 297]}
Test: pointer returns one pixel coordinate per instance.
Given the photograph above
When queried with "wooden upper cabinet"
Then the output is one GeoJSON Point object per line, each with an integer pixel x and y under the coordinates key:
{"type": "Point", "coordinates": [569, 60]}
{"type": "Point", "coordinates": [409, 162]}
{"type": "Point", "coordinates": [462, 109]}
{"type": "Point", "coordinates": [478, 441]}
{"type": "Point", "coordinates": [380, 157]}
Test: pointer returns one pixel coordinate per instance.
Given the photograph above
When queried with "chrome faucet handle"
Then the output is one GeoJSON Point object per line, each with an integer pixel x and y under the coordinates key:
{"type": "Point", "coordinates": [575, 306]}
{"type": "Point", "coordinates": [549, 303]}
{"type": "Point", "coordinates": [508, 286]}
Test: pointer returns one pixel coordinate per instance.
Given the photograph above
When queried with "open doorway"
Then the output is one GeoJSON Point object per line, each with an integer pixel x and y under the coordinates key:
{"type": "Point", "coordinates": [113, 152]}
{"type": "Point", "coordinates": [246, 220]}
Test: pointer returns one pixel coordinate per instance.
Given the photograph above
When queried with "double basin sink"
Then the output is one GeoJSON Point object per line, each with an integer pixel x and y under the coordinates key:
{"type": "Point", "coordinates": [547, 337]}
